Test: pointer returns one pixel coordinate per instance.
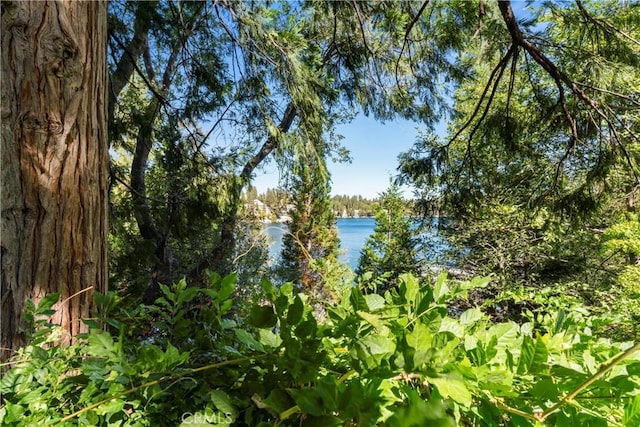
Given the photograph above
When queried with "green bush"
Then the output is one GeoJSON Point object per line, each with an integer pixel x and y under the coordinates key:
{"type": "Point", "coordinates": [392, 359]}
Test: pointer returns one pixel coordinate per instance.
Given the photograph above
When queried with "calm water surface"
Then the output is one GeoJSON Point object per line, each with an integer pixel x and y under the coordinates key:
{"type": "Point", "coordinates": [353, 234]}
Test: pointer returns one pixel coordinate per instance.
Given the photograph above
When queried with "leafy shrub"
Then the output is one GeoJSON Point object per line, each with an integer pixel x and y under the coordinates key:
{"type": "Point", "coordinates": [621, 247]}
{"type": "Point", "coordinates": [392, 359]}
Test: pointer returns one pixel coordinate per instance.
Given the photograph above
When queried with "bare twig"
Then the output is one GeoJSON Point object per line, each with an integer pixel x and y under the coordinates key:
{"type": "Point", "coordinates": [361, 25]}
{"type": "Point", "coordinates": [608, 92]}
{"type": "Point", "coordinates": [512, 79]}
{"type": "Point", "coordinates": [499, 69]}
{"type": "Point", "coordinates": [481, 13]}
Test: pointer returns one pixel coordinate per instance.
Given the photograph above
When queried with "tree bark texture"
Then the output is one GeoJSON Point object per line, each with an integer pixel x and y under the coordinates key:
{"type": "Point", "coordinates": [54, 161]}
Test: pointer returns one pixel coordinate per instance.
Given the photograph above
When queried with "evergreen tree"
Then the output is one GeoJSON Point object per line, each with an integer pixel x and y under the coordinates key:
{"type": "Point", "coordinates": [542, 148]}
{"type": "Point", "coordinates": [312, 241]}
{"type": "Point", "coordinates": [392, 248]}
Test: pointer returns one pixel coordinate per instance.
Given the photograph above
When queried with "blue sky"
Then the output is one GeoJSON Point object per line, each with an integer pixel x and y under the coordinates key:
{"type": "Point", "coordinates": [374, 148]}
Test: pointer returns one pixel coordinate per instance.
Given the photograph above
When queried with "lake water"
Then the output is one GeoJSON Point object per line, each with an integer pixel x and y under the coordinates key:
{"type": "Point", "coordinates": [353, 234]}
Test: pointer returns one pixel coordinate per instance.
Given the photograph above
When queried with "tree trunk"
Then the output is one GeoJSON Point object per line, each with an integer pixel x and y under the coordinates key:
{"type": "Point", "coordinates": [55, 159]}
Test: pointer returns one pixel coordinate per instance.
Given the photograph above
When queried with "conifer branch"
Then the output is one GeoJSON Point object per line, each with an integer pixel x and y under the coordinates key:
{"type": "Point", "coordinates": [560, 79]}
{"type": "Point", "coordinates": [606, 26]}
{"type": "Point", "coordinates": [407, 31]}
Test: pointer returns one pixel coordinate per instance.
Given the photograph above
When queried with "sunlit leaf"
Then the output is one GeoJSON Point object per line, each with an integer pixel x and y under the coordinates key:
{"type": "Point", "coordinates": [453, 388]}
{"type": "Point", "coordinates": [374, 302]}
{"type": "Point", "coordinates": [248, 340]}
{"type": "Point", "coordinates": [45, 304]}
{"type": "Point", "coordinates": [470, 316]}
{"type": "Point", "coordinates": [100, 344]}
{"type": "Point", "coordinates": [222, 401]}
{"type": "Point", "coordinates": [440, 288]}
{"type": "Point", "coordinates": [372, 319]}
{"type": "Point", "coordinates": [631, 415]}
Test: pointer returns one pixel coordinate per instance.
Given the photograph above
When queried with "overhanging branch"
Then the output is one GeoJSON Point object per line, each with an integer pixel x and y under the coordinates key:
{"type": "Point", "coordinates": [561, 80]}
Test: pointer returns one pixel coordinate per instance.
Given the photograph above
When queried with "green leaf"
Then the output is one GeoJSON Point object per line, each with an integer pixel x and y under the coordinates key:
{"type": "Point", "coordinates": [161, 301]}
{"type": "Point", "coordinates": [420, 338]}
{"type": "Point", "coordinates": [374, 302]}
{"type": "Point", "coordinates": [373, 349]}
{"type": "Point", "coordinates": [306, 328]}
{"type": "Point", "coordinates": [214, 278]}
{"type": "Point", "coordinates": [247, 339]}
{"type": "Point", "coordinates": [269, 338]}
{"type": "Point", "coordinates": [113, 406]}
{"type": "Point", "coordinates": [452, 325]}
{"type": "Point", "coordinates": [89, 418]}
{"type": "Point", "coordinates": [294, 314]}
{"type": "Point", "coordinates": [226, 306]}
{"type": "Point", "coordinates": [453, 388]}
{"type": "Point", "coordinates": [39, 353]}
{"type": "Point", "coordinates": [372, 319]}
{"type": "Point", "coordinates": [634, 368]}
{"type": "Point", "coordinates": [33, 396]}
{"type": "Point", "coordinates": [286, 289]}
{"type": "Point", "coordinates": [222, 401]}
{"type": "Point", "coordinates": [268, 288]}
{"type": "Point", "coordinates": [263, 316]}
{"type": "Point", "coordinates": [533, 355]}
{"type": "Point", "coordinates": [470, 316]}
{"type": "Point", "coordinates": [172, 356]}
{"type": "Point", "coordinates": [419, 412]}
{"type": "Point", "coordinates": [100, 343]}
{"type": "Point", "coordinates": [45, 304]}
{"type": "Point", "coordinates": [308, 401]}
{"type": "Point", "coordinates": [279, 400]}
{"type": "Point", "coordinates": [167, 292]}
{"type": "Point", "coordinates": [505, 334]}
{"type": "Point", "coordinates": [440, 288]}
{"type": "Point", "coordinates": [479, 282]}
{"type": "Point", "coordinates": [357, 299]}
{"type": "Point", "coordinates": [560, 322]}
{"type": "Point", "coordinates": [187, 295]}
{"type": "Point", "coordinates": [631, 415]}
{"type": "Point", "coordinates": [409, 287]}
{"type": "Point", "coordinates": [545, 389]}
{"type": "Point", "coordinates": [227, 286]}
{"type": "Point", "coordinates": [378, 344]}
{"type": "Point", "coordinates": [14, 413]}
{"type": "Point", "coordinates": [10, 380]}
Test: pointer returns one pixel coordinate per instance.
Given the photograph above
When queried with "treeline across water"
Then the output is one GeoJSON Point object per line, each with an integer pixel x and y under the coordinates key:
{"type": "Point", "coordinates": [275, 204]}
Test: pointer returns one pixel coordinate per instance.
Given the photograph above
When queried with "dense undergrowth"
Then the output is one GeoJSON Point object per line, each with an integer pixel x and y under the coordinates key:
{"type": "Point", "coordinates": [198, 357]}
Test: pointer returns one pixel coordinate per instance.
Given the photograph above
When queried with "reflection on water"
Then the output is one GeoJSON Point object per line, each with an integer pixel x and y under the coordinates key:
{"type": "Point", "coordinates": [353, 234]}
{"type": "Point", "coordinates": [274, 232]}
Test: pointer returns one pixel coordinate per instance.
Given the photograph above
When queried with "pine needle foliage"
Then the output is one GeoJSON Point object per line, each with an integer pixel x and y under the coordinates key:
{"type": "Point", "coordinates": [392, 248]}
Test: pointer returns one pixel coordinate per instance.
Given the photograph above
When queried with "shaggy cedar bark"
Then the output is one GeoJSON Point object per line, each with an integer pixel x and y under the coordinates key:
{"type": "Point", "coordinates": [55, 160]}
